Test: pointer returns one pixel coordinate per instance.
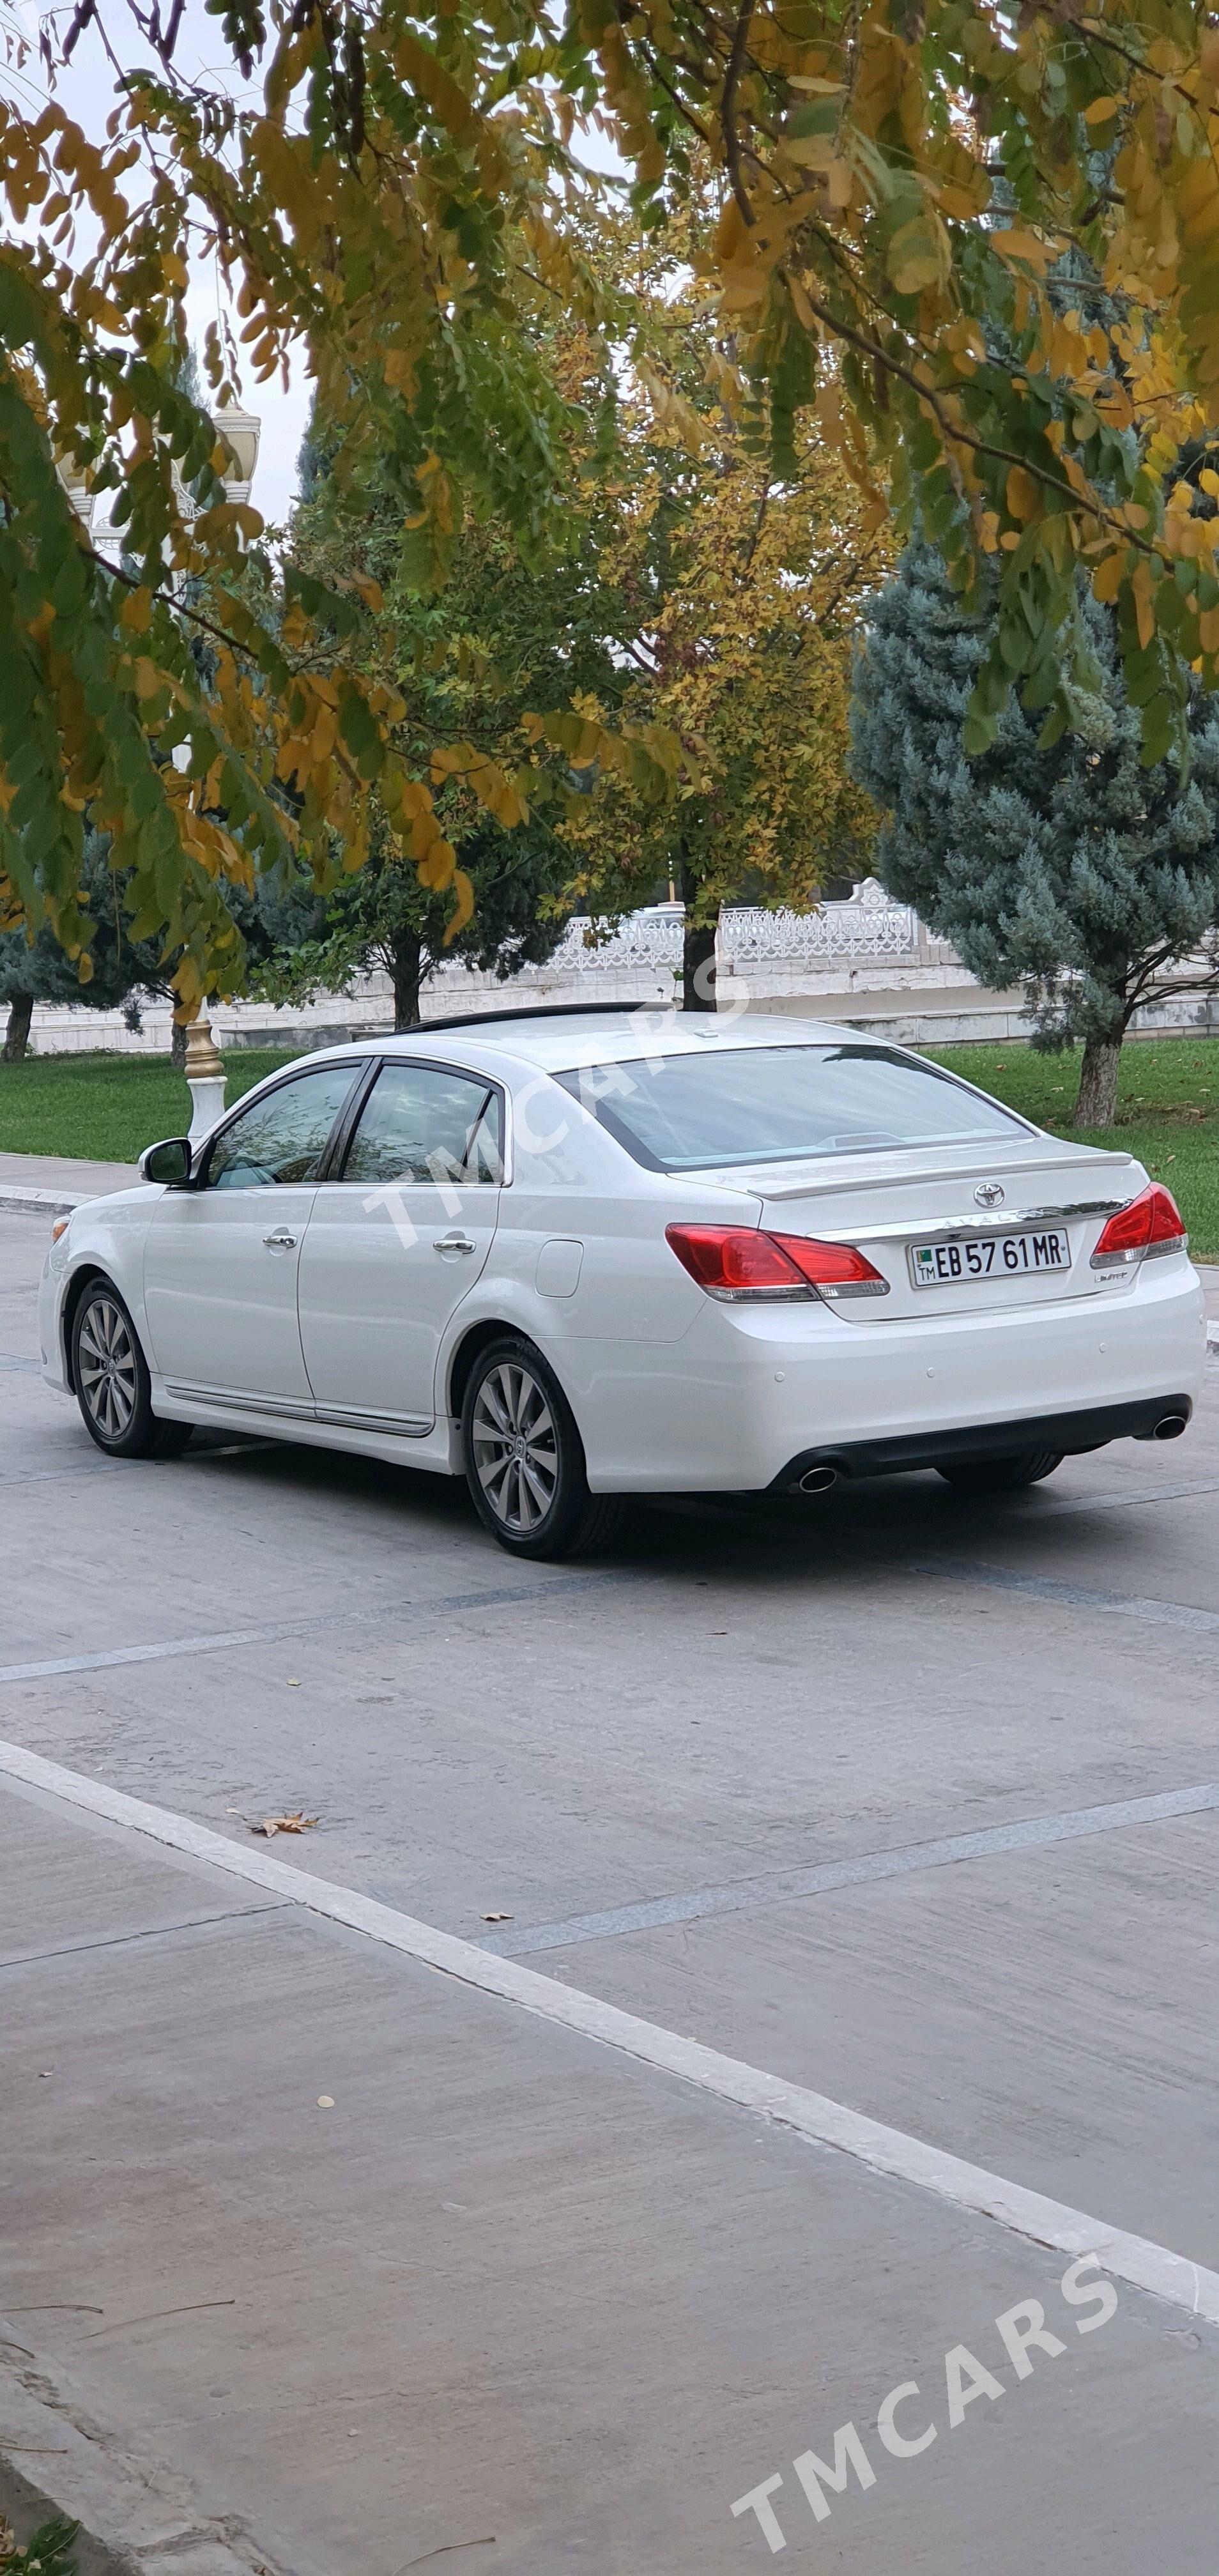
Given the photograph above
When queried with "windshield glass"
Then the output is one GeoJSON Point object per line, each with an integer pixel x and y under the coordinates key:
{"type": "Point", "coordinates": [687, 1113]}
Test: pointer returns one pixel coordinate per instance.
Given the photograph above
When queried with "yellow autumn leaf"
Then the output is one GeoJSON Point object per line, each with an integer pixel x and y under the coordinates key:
{"type": "Point", "coordinates": [1024, 496]}
{"type": "Point", "coordinates": [812, 151]}
{"type": "Point", "coordinates": [1015, 241]}
{"type": "Point", "coordinates": [1142, 587]}
{"type": "Point", "coordinates": [463, 909]}
{"type": "Point", "coordinates": [436, 868]}
{"type": "Point", "coordinates": [918, 255]}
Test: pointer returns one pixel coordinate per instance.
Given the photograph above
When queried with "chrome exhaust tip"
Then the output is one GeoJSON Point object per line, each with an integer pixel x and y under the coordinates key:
{"type": "Point", "coordinates": [820, 1480]}
{"type": "Point", "coordinates": [1169, 1427]}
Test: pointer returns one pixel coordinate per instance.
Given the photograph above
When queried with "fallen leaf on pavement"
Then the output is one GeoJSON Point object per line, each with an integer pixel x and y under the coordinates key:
{"type": "Point", "coordinates": [296, 1824]}
{"type": "Point", "coordinates": [498, 1918]}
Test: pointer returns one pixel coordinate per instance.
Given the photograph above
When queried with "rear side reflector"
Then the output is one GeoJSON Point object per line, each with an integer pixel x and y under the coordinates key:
{"type": "Point", "coordinates": [1150, 1225]}
{"type": "Point", "coordinates": [735, 1261]}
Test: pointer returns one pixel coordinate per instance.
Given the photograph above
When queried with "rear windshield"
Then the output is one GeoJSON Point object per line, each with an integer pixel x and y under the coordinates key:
{"type": "Point", "coordinates": [689, 1113]}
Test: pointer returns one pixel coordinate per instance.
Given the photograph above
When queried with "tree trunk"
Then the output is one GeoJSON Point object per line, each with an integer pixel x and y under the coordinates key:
{"type": "Point", "coordinates": [16, 1036]}
{"type": "Point", "coordinates": [1097, 1099]}
{"type": "Point", "coordinates": [177, 1046]}
{"type": "Point", "coordinates": [697, 952]}
{"type": "Point", "coordinates": [406, 975]}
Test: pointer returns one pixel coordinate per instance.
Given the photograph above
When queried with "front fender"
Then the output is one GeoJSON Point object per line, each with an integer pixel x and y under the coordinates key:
{"type": "Point", "coordinates": [106, 1235]}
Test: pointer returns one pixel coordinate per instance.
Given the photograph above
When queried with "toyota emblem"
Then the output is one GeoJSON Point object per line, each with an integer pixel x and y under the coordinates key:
{"type": "Point", "coordinates": [989, 1194]}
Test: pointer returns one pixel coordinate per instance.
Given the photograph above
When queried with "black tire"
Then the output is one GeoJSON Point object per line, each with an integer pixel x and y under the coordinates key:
{"type": "Point", "coordinates": [523, 1456]}
{"type": "Point", "coordinates": [1002, 1475]}
{"type": "Point", "coordinates": [110, 1375]}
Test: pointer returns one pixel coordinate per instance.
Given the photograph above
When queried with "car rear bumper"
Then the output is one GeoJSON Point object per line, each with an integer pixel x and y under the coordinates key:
{"type": "Point", "coordinates": [750, 1393]}
{"type": "Point", "coordinates": [1151, 1418]}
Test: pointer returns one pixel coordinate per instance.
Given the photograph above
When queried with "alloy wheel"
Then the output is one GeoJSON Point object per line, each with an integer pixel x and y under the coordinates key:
{"type": "Point", "coordinates": [106, 1360]}
{"type": "Point", "coordinates": [516, 1450]}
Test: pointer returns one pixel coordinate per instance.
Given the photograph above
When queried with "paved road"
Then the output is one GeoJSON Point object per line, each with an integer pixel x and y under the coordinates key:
{"type": "Point", "coordinates": [528, 2282]}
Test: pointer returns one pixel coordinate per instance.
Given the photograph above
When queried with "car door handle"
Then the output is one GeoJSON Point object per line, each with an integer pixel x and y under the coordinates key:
{"type": "Point", "coordinates": [280, 1241]}
{"type": "Point", "coordinates": [453, 1243]}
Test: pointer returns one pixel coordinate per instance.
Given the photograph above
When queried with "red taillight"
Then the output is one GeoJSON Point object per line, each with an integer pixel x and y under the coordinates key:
{"type": "Point", "coordinates": [833, 1269]}
{"type": "Point", "coordinates": [734, 1261]}
{"type": "Point", "coordinates": [1151, 1224]}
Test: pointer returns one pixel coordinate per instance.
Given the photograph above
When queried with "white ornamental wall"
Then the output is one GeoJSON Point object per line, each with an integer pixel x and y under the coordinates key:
{"type": "Point", "coordinates": [867, 960]}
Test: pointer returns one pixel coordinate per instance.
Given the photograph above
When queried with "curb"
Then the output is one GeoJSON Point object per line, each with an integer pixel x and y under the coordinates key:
{"type": "Point", "coordinates": [39, 1202]}
{"type": "Point", "coordinates": [133, 2521]}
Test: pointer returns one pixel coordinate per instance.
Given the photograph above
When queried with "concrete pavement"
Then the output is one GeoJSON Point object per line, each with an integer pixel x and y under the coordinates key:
{"type": "Point", "coordinates": [56, 1183]}
{"type": "Point", "coordinates": [510, 2282]}
{"type": "Point", "coordinates": [506, 2292]}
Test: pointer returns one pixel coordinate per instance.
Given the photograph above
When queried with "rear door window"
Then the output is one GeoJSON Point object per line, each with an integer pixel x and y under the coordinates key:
{"type": "Point", "coordinates": [422, 1123]}
{"type": "Point", "coordinates": [689, 1113]}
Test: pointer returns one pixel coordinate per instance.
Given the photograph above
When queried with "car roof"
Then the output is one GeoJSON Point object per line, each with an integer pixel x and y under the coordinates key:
{"type": "Point", "coordinates": [561, 1042]}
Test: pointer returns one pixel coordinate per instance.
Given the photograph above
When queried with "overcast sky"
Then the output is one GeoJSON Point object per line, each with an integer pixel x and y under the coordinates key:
{"type": "Point", "coordinates": [87, 90]}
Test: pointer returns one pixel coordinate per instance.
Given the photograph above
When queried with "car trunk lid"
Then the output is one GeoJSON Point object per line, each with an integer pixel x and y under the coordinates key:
{"type": "Point", "coordinates": [958, 1206]}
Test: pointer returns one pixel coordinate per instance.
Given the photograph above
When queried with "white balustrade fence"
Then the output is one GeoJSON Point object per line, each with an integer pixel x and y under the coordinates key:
{"type": "Point", "coordinates": [637, 959]}
{"type": "Point", "coordinates": [867, 959]}
{"type": "Point", "coordinates": [867, 925]}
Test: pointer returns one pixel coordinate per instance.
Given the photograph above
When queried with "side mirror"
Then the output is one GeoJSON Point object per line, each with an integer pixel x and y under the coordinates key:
{"type": "Point", "coordinates": [169, 1162]}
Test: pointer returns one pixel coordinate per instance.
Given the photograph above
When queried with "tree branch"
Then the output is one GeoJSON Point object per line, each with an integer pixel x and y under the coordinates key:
{"type": "Point", "coordinates": [732, 149]}
{"type": "Point", "coordinates": [952, 432]}
{"type": "Point", "coordinates": [179, 607]}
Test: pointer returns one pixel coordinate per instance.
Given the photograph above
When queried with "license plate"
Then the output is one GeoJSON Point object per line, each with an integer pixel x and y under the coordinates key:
{"type": "Point", "coordinates": [998, 1256]}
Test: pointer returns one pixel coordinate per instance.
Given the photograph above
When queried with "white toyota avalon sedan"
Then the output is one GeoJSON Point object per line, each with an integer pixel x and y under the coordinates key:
{"type": "Point", "coordinates": [575, 1255]}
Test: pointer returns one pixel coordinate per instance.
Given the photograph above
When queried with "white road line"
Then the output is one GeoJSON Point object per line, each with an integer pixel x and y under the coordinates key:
{"type": "Point", "coordinates": [824, 1878]}
{"type": "Point", "coordinates": [309, 1623]}
{"type": "Point", "coordinates": [1073, 1596]}
{"type": "Point", "coordinates": [1147, 2266]}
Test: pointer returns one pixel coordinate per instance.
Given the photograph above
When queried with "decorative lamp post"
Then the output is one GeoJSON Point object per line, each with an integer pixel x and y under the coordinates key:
{"type": "Point", "coordinates": [83, 501]}
{"type": "Point", "coordinates": [240, 431]}
{"type": "Point", "coordinates": [206, 1077]}
{"type": "Point", "coordinates": [205, 1073]}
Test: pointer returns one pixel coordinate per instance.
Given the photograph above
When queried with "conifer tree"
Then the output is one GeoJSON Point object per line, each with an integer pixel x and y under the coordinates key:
{"type": "Point", "coordinates": [1071, 870]}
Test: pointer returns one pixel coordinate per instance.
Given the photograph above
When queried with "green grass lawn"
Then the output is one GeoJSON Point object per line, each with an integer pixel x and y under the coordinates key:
{"type": "Point", "coordinates": [108, 1107]}
{"type": "Point", "coordinates": [1167, 1112]}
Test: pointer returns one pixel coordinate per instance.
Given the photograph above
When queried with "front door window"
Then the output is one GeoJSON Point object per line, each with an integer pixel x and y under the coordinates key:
{"type": "Point", "coordinates": [282, 1137]}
